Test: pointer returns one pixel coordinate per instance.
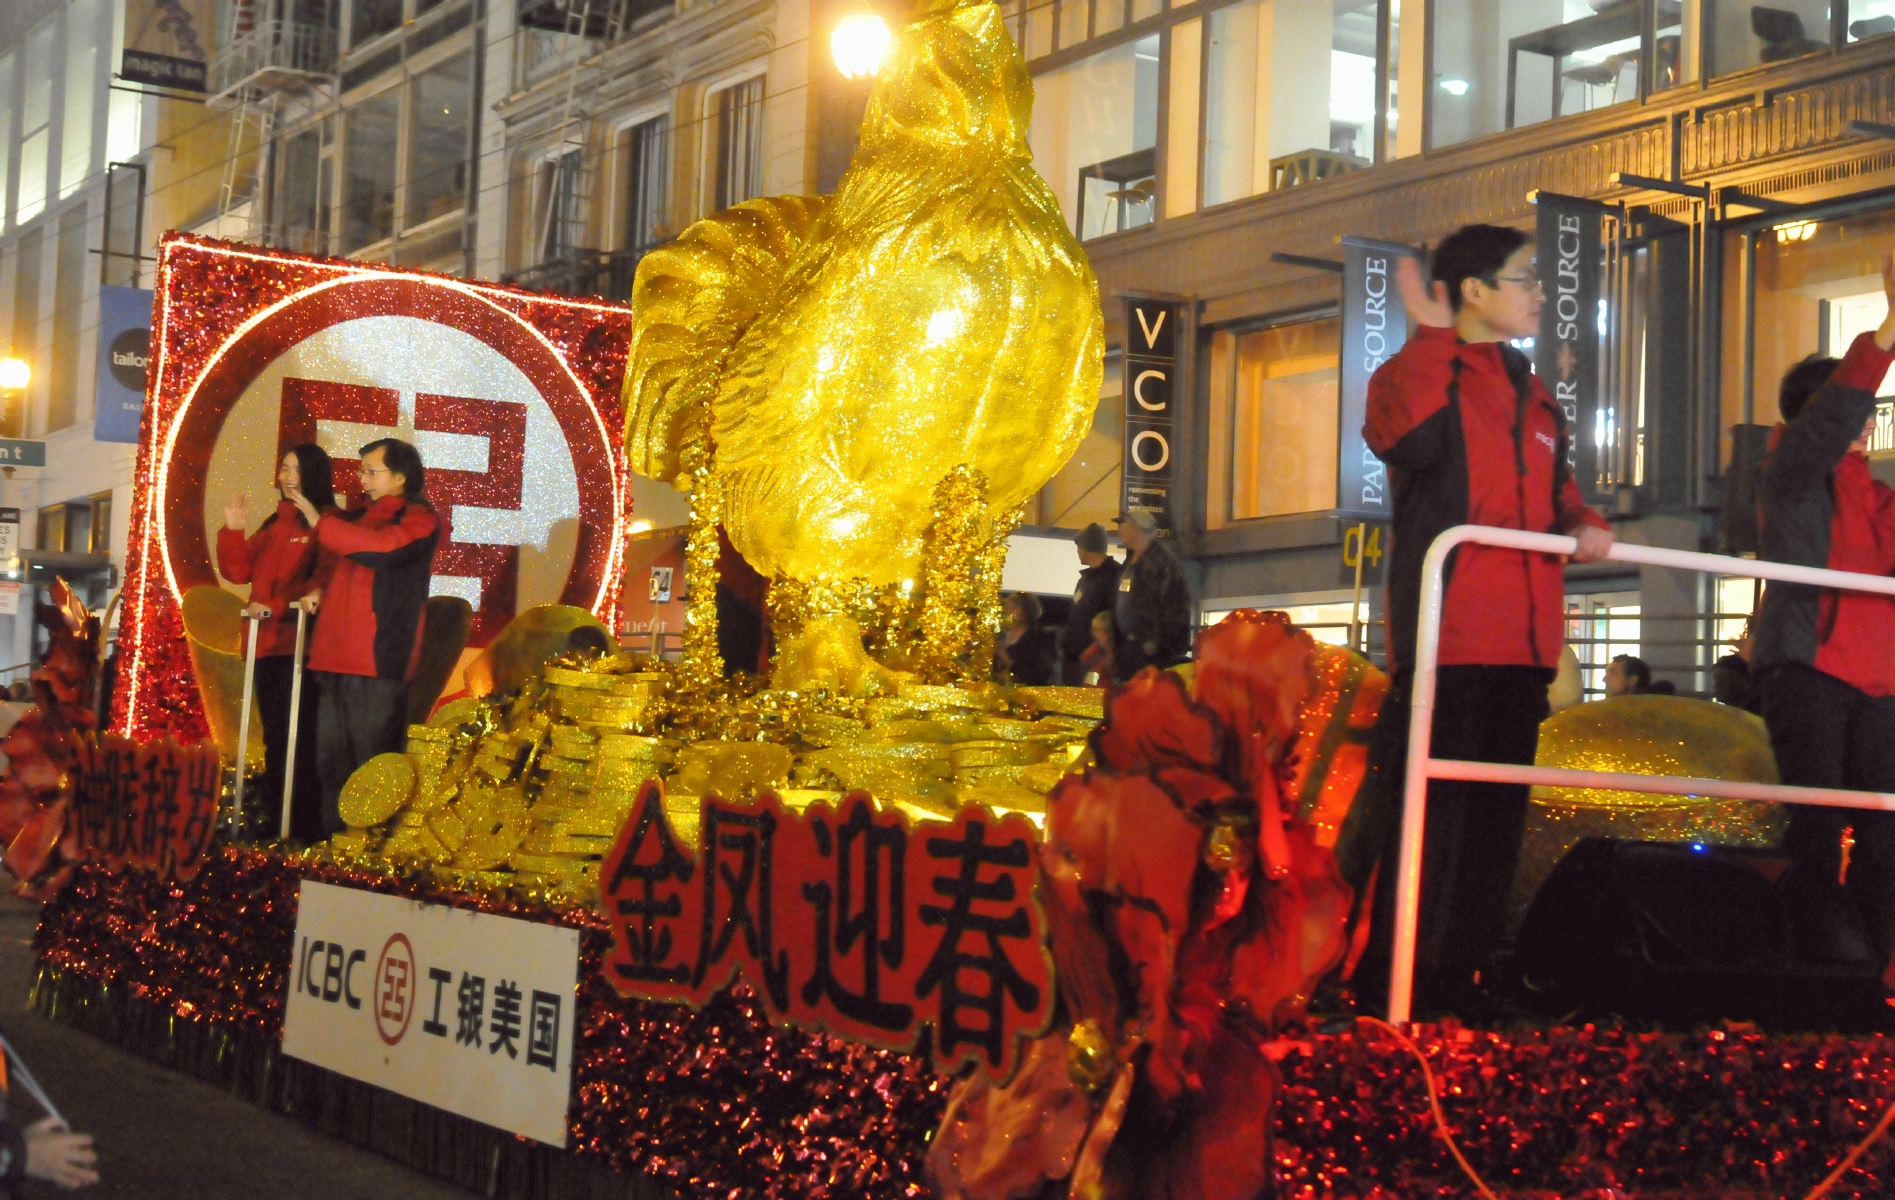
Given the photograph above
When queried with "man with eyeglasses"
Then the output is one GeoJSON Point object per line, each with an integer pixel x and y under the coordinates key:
{"type": "Point", "coordinates": [368, 643]}
{"type": "Point", "coordinates": [1470, 436]}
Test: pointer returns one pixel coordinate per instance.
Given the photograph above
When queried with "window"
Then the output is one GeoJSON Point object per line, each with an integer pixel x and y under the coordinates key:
{"type": "Point", "coordinates": [1503, 63]}
{"type": "Point", "coordinates": [1095, 133]}
{"type": "Point", "coordinates": [1289, 95]}
{"type": "Point", "coordinates": [1870, 18]}
{"type": "Point", "coordinates": [372, 18]}
{"type": "Point", "coordinates": [1745, 34]}
{"type": "Point", "coordinates": [739, 143]}
{"type": "Point", "coordinates": [301, 215]}
{"type": "Point", "coordinates": [26, 284]}
{"type": "Point", "coordinates": [52, 528]}
{"type": "Point", "coordinates": [439, 127]}
{"type": "Point", "coordinates": [369, 149]}
{"type": "Point", "coordinates": [69, 289]}
{"type": "Point", "coordinates": [1279, 409]}
{"type": "Point", "coordinates": [1331, 622]}
{"type": "Point", "coordinates": [36, 119]}
{"type": "Point", "coordinates": [645, 177]}
{"type": "Point", "coordinates": [75, 131]}
{"type": "Point", "coordinates": [1600, 627]}
{"type": "Point", "coordinates": [562, 211]}
{"type": "Point", "coordinates": [7, 64]}
{"type": "Point", "coordinates": [101, 539]}
{"type": "Point", "coordinates": [125, 111]}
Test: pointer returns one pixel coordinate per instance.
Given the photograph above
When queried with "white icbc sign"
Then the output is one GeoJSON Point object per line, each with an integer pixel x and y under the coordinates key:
{"type": "Point", "coordinates": [466, 1011]}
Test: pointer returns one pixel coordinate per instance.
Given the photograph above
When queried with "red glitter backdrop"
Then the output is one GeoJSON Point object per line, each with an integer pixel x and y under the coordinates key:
{"type": "Point", "coordinates": [227, 314]}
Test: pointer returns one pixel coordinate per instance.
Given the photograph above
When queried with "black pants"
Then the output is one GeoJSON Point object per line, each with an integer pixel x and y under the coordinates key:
{"type": "Point", "coordinates": [1828, 734]}
{"type": "Point", "coordinates": [360, 716]}
{"type": "Point", "coordinates": [1472, 845]}
{"type": "Point", "coordinates": [275, 678]}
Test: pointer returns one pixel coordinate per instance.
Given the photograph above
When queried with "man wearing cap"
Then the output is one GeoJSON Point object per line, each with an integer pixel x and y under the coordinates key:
{"type": "Point", "coordinates": [1153, 609]}
{"type": "Point", "coordinates": [1098, 587]}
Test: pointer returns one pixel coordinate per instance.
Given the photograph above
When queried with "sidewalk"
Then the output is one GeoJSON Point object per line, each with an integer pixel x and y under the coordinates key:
{"type": "Point", "coordinates": [165, 1136]}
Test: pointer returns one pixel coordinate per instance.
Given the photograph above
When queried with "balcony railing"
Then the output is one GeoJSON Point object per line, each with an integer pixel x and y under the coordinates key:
{"type": "Point", "coordinates": [274, 56]}
{"type": "Point", "coordinates": [603, 273]}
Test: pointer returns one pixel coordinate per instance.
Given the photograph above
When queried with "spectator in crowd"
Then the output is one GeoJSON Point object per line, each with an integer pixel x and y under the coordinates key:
{"type": "Point", "coordinates": [368, 643]}
{"type": "Point", "coordinates": [1627, 675]}
{"type": "Point", "coordinates": [1153, 609]}
{"type": "Point", "coordinates": [1096, 663]}
{"type": "Point", "coordinates": [1824, 658]}
{"type": "Point", "coordinates": [1025, 654]}
{"type": "Point", "coordinates": [1098, 585]}
{"type": "Point", "coordinates": [281, 563]}
{"type": "Point", "coordinates": [1731, 681]}
{"type": "Point", "coordinates": [1470, 436]}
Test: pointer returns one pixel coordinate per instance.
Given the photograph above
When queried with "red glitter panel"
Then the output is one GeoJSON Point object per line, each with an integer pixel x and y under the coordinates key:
{"type": "Point", "coordinates": [226, 312]}
{"type": "Point", "coordinates": [307, 401]}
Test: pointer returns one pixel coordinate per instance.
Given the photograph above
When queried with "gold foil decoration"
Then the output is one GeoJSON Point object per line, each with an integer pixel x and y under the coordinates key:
{"type": "Point", "coordinates": [524, 646]}
{"type": "Point", "coordinates": [935, 312]}
{"type": "Point", "coordinates": [213, 629]}
{"type": "Point", "coordinates": [958, 532]}
{"type": "Point", "coordinates": [827, 655]}
{"type": "Point", "coordinates": [701, 667]}
{"type": "Point", "coordinates": [377, 790]}
{"type": "Point", "coordinates": [1651, 735]}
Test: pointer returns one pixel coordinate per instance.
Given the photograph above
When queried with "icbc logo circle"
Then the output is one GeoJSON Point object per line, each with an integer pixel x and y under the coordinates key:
{"type": "Point", "coordinates": [394, 999]}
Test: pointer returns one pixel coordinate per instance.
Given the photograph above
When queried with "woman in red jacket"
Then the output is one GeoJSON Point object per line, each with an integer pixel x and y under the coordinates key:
{"type": "Point", "coordinates": [282, 565]}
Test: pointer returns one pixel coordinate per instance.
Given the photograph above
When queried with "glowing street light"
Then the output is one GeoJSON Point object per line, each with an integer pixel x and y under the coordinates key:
{"type": "Point", "coordinates": [15, 374]}
{"type": "Point", "coordinates": [859, 44]}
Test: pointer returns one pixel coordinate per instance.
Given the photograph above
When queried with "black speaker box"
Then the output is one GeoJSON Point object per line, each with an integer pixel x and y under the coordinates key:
{"type": "Point", "coordinates": [1677, 934]}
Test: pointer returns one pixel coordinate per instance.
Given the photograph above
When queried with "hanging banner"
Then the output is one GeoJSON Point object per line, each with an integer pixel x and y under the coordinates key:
{"type": "Point", "coordinates": [1566, 354]}
{"type": "Point", "coordinates": [464, 1011]}
{"type": "Point", "coordinates": [1151, 366]}
{"type": "Point", "coordinates": [846, 920]}
{"type": "Point", "coordinates": [1374, 326]}
{"type": "Point", "coordinates": [167, 43]}
{"type": "Point", "coordinates": [124, 336]}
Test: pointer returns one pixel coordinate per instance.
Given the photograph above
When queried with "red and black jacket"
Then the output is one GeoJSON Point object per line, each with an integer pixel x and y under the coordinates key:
{"type": "Point", "coordinates": [1822, 508]}
{"type": "Point", "coordinates": [1472, 437]}
{"type": "Point", "coordinates": [281, 563]}
{"type": "Point", "coordinates": [372, 608]}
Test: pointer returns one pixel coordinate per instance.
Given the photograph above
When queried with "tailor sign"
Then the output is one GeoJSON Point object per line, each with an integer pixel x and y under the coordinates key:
{"type": "Point", "coordinates": [1566, 353]}
{"type": "Point", "coordinates": [1151, 367]}
{"type": "Point", "coordinates": [1374, 326]}
{"type": "Point", "coordinates": [464, 1011]}
{"type": "Point", "coordinates": [124, 340]}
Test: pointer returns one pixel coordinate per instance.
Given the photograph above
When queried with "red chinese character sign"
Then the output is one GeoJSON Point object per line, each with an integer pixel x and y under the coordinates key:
{"type": "Point", "coordinates": [152, 806]}
{"type": "Point", "coordinates": [511, 398]}
{"type": "Point", "coordinates": [851, 921]}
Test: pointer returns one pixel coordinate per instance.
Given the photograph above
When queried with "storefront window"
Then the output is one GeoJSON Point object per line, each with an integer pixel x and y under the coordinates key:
{"type": "Point", "coordinates": [1275, 415]}
{"type": "Point", "coordinates": [1504, 63]}
{"type": "Point", "coordinates": [440, 124]}
{"type": "Point", "coordinates": [1745, 35]}
{"type": "Point", "coordinates": [1095, 137]}
{"type": "Point", "coordinates": [369, 150]}
{"type": "Point", "coordinates": [1289, 94]}
{"type": "Point", "coordinates": [1817, 285]}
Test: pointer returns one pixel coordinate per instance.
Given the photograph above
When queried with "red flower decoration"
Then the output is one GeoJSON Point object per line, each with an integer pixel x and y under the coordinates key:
{"type": "Point", "coordinates": [1190, 915]}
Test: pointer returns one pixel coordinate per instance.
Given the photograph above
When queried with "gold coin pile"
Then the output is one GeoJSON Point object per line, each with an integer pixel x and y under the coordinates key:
{"type": "Point", "coordinates": [532, 791]}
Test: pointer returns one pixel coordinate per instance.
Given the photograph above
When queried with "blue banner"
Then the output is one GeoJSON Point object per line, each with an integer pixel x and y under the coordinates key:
{"type": "Point", "coordinates": [124, 334]}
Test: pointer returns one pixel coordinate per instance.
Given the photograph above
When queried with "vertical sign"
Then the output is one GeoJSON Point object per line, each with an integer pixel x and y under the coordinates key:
{"type": "Point", "coordinates": [1566, 354]}
{"type": "Point", "coordinates": [9, 560]}
{"type": "Point", "coordinates": [124, 334]}
{"type": "Point", "coordinates": [167, 43]}
{"type": "Point", "coordinates": [1151, 364]}
{"type": "Point", "coordinates": [1374, 326]}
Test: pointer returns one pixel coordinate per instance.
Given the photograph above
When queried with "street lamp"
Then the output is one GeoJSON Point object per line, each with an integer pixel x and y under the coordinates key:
{"type": "Point", "coordinates": [15, 374]}
{"type": "Point", "coordinates": [859, 45]}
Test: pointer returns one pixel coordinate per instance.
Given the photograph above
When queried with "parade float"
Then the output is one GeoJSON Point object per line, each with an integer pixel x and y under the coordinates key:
{"type": "Point", "coordinates": [868, 924]}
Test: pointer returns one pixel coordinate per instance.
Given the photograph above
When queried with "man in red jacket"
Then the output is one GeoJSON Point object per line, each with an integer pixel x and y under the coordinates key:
{"type": "Point", "coordinates": [1470, 436]}
{"type": "Point", "coordinates": [368, 642]}
{"type": "Point", "coordinates": [1824, 660]}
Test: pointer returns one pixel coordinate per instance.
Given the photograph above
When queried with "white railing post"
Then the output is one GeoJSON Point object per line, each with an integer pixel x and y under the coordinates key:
{"type": "Point", "coordinates": [1421, 766]}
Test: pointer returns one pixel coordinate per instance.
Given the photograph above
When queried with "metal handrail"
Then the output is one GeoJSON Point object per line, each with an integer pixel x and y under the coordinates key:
{"type": "Point", "coordinates": [289, 48]}
{"type": "Point", "coordinates": [1422, 766]}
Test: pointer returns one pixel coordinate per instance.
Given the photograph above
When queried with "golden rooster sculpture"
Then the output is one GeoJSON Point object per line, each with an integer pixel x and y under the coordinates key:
{"type": "Point", "coordinates": [824, 363]}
